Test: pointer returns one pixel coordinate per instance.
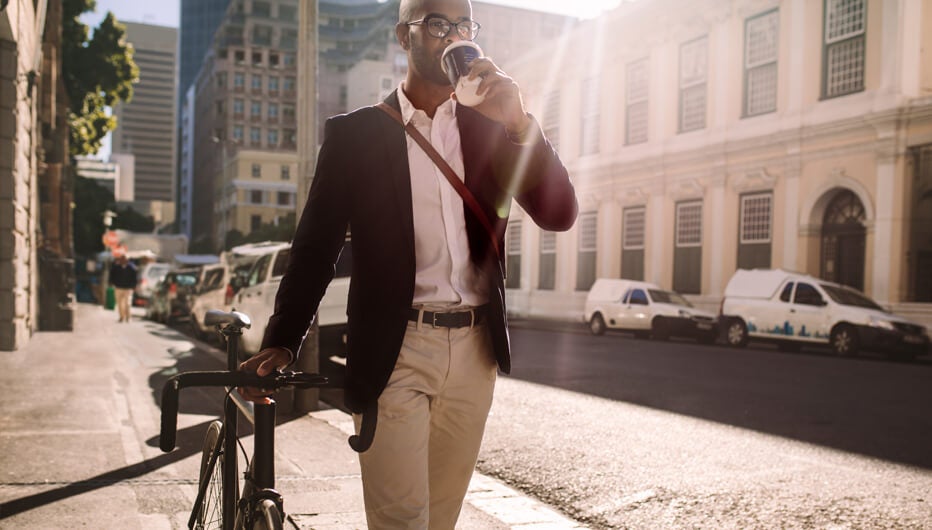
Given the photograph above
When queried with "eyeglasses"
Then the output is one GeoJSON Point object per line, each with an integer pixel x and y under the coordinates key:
{"type": "Point", "coordinates": [440, 27]}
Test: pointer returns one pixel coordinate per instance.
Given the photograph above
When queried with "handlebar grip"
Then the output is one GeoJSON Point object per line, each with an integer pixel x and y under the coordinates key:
{"type": "Point", "coordinates": [169, 415]}
{"type": "Point", "coordinates": [370, 418]}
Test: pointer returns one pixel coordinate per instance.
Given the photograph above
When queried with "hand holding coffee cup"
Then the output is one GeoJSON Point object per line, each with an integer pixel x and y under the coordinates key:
{"type": "Point", "coordinates": [455, 62]}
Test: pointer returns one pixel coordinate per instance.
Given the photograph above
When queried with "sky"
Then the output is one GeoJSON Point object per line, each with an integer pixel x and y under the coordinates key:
{"type": "Point", "coordinates": [167, 12]}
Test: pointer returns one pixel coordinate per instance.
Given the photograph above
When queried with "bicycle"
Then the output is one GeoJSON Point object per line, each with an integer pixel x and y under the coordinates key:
{"type": "Point", "coordinates": [219, 503]}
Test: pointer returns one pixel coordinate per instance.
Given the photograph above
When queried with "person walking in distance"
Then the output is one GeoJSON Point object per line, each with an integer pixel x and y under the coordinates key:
{"type": "Point", "coordinates": [123, 279]}
{"type": "Point", "coordinates": [426, 313]}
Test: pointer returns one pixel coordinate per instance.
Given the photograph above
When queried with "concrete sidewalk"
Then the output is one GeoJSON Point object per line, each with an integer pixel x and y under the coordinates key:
{"type": "Point", "coordinates": [79, 426]}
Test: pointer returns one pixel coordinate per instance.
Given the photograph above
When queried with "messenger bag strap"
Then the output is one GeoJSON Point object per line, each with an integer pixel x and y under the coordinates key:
{"type": "Point", "coordinates": [468, 198]}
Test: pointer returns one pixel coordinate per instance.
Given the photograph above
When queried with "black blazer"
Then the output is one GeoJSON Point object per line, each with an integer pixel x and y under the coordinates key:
{"type": "Point", "coordinates": [363, 181]}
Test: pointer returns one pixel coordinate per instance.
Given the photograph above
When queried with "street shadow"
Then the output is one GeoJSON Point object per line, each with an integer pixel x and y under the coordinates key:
{"type": "Point", "coordinates": [189, 443]}
{"type": "Point", "coordinates": [867, 405]}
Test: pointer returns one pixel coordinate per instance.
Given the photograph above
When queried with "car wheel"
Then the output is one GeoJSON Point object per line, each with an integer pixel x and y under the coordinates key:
{"type": "Point", "coordinates": [844, 341]}
{"type": "Point", "coordinates": [736, 333]}
{"type": "Point", "coordinates": [597, 324]}
{"type": "Point", "coordinates": [659, 329]}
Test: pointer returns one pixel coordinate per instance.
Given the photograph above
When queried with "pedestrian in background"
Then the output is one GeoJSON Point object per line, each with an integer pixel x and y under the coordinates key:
{"type": "Point", "coordinates": [123, 280]}
{"type": "Point", "coordinates": [426, 311]}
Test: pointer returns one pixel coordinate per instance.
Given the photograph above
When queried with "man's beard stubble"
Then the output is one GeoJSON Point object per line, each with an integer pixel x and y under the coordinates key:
{"type": "Point", "coordinates": [429, 66]}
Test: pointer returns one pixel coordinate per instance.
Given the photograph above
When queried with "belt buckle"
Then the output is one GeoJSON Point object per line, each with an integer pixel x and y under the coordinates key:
{"type": "Point", "coordinates": [434, 319]}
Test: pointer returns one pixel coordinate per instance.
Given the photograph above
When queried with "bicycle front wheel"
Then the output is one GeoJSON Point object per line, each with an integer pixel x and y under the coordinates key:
{"type": "Point", "coordinates": [210, 512]}
{"type": "Point", "coordinates": [267, 516]}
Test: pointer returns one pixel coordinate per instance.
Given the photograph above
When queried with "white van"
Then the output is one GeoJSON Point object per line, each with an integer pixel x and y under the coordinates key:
{"type": "Point", "coordinates": [794, 309]}
{"type": "Point", "coordinates": [646, 310]}
{"type": "Point", "coordinates": [256, 298]}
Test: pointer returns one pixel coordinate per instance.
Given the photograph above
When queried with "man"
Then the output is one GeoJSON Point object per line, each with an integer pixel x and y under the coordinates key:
{"type": "Point", "coordinates": [426, 310]}
{"type": "Point", "coordinates": [123, 279]}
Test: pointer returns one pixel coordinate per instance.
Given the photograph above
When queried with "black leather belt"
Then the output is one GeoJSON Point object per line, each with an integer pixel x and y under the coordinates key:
{"type": "Point", "coordinates": [456, 319]}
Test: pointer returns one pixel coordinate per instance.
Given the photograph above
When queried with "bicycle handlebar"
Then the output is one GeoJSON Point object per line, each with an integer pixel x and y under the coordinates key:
{"type": "Point", "coordinates": [272, 381]}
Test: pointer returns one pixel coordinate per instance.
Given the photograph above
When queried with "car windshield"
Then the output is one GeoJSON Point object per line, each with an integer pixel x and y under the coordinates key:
{"type": "Point", "coordinates": [846, 296]}
{"type": "Point", "coordinates": [668, 297]}
{"type": "Point", "coordinates": [185, 280]}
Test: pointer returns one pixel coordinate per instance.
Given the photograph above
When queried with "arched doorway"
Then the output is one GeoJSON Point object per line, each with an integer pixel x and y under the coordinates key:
{"type": "Point", "coordinates": [843, 240]}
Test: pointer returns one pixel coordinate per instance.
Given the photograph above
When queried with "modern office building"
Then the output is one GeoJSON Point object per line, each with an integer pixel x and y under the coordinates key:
{"type": "Point", "coordinates": [705, 136]}
{"type": "Point", "coordinates": [186, 119]}
{"type": "Point", "coordinates": [199, 20]}
{"type": "Point", "coordinates": [146, 125]}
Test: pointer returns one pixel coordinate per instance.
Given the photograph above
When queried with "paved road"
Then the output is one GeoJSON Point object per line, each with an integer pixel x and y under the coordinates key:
{"type": "Point", "coordinates": [677, 435]}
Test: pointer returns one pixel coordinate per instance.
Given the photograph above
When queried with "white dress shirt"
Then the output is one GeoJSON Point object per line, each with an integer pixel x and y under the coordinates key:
{"type": "Point", "coordinates": [446, 277]}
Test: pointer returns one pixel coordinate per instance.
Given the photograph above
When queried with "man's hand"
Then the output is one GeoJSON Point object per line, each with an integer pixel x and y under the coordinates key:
{"type": "Point", "coordinates": [503, 101]}
{"type": "Point", "coordinates": [263, 363]}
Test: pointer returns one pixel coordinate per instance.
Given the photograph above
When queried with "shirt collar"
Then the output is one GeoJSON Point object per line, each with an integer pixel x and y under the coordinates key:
{"type": "Point", "coordinates": [408, 109]}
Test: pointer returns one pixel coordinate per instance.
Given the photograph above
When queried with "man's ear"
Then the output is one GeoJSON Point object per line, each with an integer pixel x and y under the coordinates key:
{"type": "Point", "coordinates": [401, 33]}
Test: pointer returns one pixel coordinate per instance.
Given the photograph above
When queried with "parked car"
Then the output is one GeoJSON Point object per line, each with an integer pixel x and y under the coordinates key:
{"type": "Point", "coordinates": [794, 309]}
{"type": "Point", "coordinates": [171, 300]}
{"type": "Point", "coordinates": [211, 292]}
{"type": "Point", "coordinates": [646, 310]}
{"type": "Point", "coordinates": [148, 276]}
{"type": "Point", "coordinates": [256, 298]}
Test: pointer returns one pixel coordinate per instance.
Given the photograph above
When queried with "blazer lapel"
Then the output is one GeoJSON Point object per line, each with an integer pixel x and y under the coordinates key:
{"type": "Point", "coordinates": [395, 153]}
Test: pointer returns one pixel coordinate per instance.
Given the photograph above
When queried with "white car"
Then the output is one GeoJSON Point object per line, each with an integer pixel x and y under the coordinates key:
{"type": "Point", "coordinates": [256, 298]}
{"type": "Point", "coordinates": [147, 278]}
{"type": "Point", "coordinates": [646, 310]}
{"type": "Point", "coordinates": [794, 309]}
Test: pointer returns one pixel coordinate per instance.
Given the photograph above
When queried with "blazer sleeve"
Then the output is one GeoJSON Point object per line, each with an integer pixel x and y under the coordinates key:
{"type": "Point", "coordinates": [317, 243]}
{"type": "Point", "coordinates": [539, 182]}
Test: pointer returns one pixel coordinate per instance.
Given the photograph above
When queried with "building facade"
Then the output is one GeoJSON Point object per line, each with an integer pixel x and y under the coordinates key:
{"type": "Point", "coordinates": [245, 99]}
{"type": "Point", "coordinates": [36, 273]}
{"type": "Point", "coordinates": [706, 136]}
{"type": "Point", "coordinates": [146, 124]}
{"type": "Point", "coordinates": [199, 22]}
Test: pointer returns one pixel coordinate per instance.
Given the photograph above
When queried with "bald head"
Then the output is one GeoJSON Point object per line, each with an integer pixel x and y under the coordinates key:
{"type": "Point", "coordinates": [409, 10]}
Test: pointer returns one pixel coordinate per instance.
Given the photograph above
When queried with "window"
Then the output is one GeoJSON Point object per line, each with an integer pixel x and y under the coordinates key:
{"type": "Point", "coordinates": [221, 80]}
{"type": "Point", "coordinates": [286, 172]}
{"type": "Point", "coordinates": [256, 58]}
{"type": "Point", "coordinates": [288, 111]}
{"type": "Point", "coordinates": [284, 198]}
{"type": "Point", "coordinates": [755, 218]}
{"type": "Point", "coordinates": [273, 84]}
{"type": "Point", "coordinates": [239, 80]}
{"type": "Point", "coordinates": [638, 81]}
{"type": "Point", "coordinates": [255, 197]}
{"type": "Point", "coordinates": [754, 230]}
{"type": "Point", "coordinates": [257, 83]}
{"type": "Point", "coordinates": [687, 251]}
{"type": "Point", "coordinates": [289, 41]}
{"type": "Point", "coordinates": [551, 122]}
{"type": "Point", "coordinates": [588, 242]}
{"type": "Point", "coordinates": [238, 133]}
{"type": "Point", "coordinates": [761, 35]}
{"type": "Point", "coordinates": [262, 35]}
{"type": "Point", "coordinates": [637, 297]}
{"type": "Point", "coordinates": [589, 142]}
{"type": "Point", "coordinates": [255, 109]}
{"type": "Point", "coordinates": [513, 255]}
{"type": "Point", "coordinates": [287, 12]}
{"type": "Point", "coordinates": [787, 292]}
{"type": "Point", "coordinates": [220, 107]}
{"type": "Point", "coordinates": [273, 110]}
{"type": "Point", "coordinates": [288, 85]}
{"type": "Point", "coordinates": [255, 135]}
{"type": "Point", "coordinates": [289, 137]}
{"type": "Point", "coordinates": [261, 9]}
{"type": "Point", "coordinates": [239, 56]}
{"type": "Point", "coordinates": [257, 171]}
{"type": "Point", "coordinates": [689, 224]}
{"type": "Point", "coordinates": [238, 105]}
{"type": "Point", "coordinates": [844, 47]}
{"type": "Point", "coordinates": [807, 295]}
{"type": "Point", "coordinates": [255, 222]}
{"type": "Point", "coordinates": [693, 66]}
{"type": "Point", "coordinates": [548, 261]}
{"type": "Point", "coordinates": [273, 137]}
{"type": "Point", "coordinates": [632, 243]}
{"type": "Point", "coordinates": [273, 60]}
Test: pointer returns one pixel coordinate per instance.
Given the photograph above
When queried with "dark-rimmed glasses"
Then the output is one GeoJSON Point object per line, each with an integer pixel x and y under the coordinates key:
{"type": "Point", "coordinates": [440, 27]}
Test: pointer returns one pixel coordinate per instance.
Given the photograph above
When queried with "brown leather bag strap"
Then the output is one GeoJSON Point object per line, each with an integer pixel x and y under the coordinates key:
{"type": "Point", "coordinates": [468, 198]}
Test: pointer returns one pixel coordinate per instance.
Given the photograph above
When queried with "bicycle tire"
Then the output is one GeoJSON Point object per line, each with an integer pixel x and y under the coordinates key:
{"type": "Point", "coordinates": [210, 512]}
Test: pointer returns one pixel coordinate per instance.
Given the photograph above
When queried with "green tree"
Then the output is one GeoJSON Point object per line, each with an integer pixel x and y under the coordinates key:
{"type": "Point", "coordinates": [98, 73]}
{"type": "Point", "coordinates": [91, 200]}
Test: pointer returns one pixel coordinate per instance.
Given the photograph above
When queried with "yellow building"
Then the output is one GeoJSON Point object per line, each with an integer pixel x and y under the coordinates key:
{"type": "Point", "coordinates": [708, 135]}
{"type": "Point", "coordinates": [256, 187]}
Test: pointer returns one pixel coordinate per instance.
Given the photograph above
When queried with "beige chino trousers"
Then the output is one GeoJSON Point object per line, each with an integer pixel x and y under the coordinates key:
{"type": "Point", "coordinates": [432, 416]}
{"type": "Point", "coordinates": [123, 297]}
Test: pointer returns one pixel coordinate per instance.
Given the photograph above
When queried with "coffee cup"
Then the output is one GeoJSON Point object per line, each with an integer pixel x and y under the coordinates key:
{"type": "Point", "coordinates": [455, 62]}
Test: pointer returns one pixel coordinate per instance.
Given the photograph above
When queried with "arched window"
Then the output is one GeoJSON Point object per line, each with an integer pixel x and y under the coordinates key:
{"type": "Point", "coordinates": [843, 240]}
